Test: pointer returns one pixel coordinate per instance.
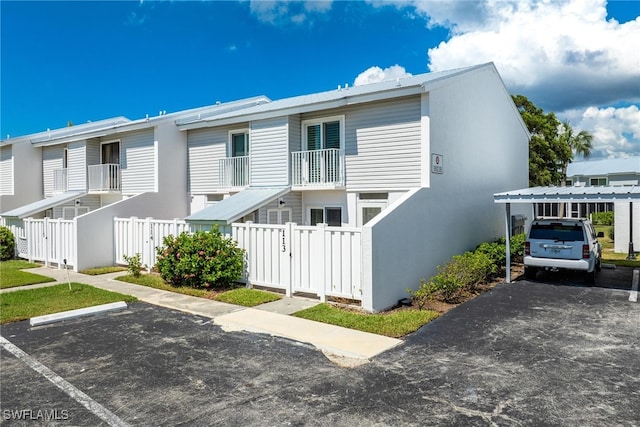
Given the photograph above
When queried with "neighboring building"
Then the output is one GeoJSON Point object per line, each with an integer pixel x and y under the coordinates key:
{"type": "Point", "coordinates": [603, 172]}
{"type": "Point", "coordinates": [410, 166]}
{"type": "Point", "coordinates": [20, 173]}
{"type": "Point", "coordinates": [115, 167]}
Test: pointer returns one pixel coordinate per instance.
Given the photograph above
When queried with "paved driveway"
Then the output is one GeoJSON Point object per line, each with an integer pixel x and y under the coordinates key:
{"type": "Point", "coordinates": [529, 353]}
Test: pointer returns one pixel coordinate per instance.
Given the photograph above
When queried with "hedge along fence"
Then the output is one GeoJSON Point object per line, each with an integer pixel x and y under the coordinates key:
{"type": "Point", "coordinates": [465, 272]}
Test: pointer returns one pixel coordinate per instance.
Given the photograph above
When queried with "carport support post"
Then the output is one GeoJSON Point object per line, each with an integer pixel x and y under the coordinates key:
{"type": "Point", "coordinates": [507, 210]}
{"type": "Point", "coordinates": [631, 255]}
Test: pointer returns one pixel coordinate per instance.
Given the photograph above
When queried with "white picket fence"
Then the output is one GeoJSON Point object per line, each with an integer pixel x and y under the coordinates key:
{"type": "Point", "coordinates": [142, 236]}
{"type": "Point", "coordinates": [320, 260]}
{"type": "Point", "coordinates": [46, 240]}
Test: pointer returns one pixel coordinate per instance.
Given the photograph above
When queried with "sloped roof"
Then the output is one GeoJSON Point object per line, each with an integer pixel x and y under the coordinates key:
{"type": "Point", "coordinates": [42, 205]}
{"type": "Point", "coordinates": [604, 167]}
{"type": "Point", "coordinates": [240, 204]}
{"type": "Point", "coordinates": [335, 98]}
{"type": "Point", "coordinates": [122, 124]}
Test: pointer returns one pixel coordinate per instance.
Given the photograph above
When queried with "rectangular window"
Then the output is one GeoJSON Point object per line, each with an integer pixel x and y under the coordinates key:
{"type": "Point", "coordinates": [331, 216]}
{"type": "Point", "coordinates": [110, 153]}
{"type": "Point", "coordinates": [323, 134]}
{"type": "Point", "coordinates": [598, 181]}
{"type": "Point", "coordinates": [239, 144]}
{"type": "Point", "coordinates": [368, 213]}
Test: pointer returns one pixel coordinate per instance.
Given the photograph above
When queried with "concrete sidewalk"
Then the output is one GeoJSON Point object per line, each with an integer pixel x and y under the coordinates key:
{"type": "Point", "coordinates": [273, 318]}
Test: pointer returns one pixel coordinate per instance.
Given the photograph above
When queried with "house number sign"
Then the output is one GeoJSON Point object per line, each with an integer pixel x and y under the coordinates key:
{"type": "Point", "coordinates": [284, 245]}
{"type": "Point", "coordinates": [437, 163]}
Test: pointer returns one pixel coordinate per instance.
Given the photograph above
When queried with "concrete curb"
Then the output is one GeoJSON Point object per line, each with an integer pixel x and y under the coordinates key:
{"type": "Point", "coordinates": [81, 312]}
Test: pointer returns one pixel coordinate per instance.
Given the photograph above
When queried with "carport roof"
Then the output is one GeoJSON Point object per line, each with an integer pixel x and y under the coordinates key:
{"type": "Point", "coordinates": [603, 194]}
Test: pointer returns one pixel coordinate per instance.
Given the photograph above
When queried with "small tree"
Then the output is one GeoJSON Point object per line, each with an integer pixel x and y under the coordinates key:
{"type": "Point", "coordinates": [7, 244]}
{"type": "Point", "coordinates": [200, 260]}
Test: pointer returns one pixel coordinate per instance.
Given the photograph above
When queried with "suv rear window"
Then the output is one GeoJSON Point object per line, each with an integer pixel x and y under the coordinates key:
{"type": "Point", "coordinates": [557, 232]}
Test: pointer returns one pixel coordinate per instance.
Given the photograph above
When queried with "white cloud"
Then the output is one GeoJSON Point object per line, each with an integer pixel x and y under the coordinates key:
{"type": "Point", "coordinates": [616, 131]}
{"type": "Point", "coordinates": [279, 11]}
{"type": "Point", "coordinates": [377, 74]}
{"type": "Point", "coordinates": [560, 54]}
{"type": "Point", "coordinates": [565, 56]}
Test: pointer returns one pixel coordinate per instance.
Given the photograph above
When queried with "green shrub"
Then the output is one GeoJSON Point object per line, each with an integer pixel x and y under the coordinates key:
{"type": "Point", "coordinates": [463, 272]}
{"type": "Point", "coordinates": [134, 264]}
{"type": "Point", "coordinates": [611, 233]}
{"type": "Point", "coordinates": [603, 218]}
{"type": "Point", "coordinates": [497, 250]}
{"type": "Point", "coordinates": [517, 247]}
{"type": "Point", "coordinates": [200, 260]}
{"type": "Point", "coordinates": [7, 244]}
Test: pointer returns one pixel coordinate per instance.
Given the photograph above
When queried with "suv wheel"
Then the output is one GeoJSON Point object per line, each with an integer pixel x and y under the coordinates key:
{"type": "Point", "coordinates": [590, 277]}
{"type": "Point", "coordinates": [530, 272]}
{"type": "Point", "coordinates": [599, 264]}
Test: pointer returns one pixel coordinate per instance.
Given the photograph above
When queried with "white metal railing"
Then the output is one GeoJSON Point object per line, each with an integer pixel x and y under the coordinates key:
{"type": "Point", "coordinates": [323, 260]}
{"type": "Point", "coordinates": [104, 177]}
{"type": "Point", "coordinates": [60, 180]}
{"type": "Point", "coordinates": [317, 168]}
{"type": "Point", "coordinates": [234, 172]}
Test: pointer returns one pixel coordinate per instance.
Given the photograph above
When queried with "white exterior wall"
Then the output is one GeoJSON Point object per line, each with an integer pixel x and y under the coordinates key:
{"type": "Point", "coordinates": [205, 147]}
{"type": "Point", "coordinates": [77, 166]}
{"type": "Point", "coordinates": [383, 145]}
{"type": "Point", "coordinates": [95, 242]}
{"type": "Point", "coordinates": [137, 162]}
{"type": "Point", "coordinates": [93, 152]}
{"type": "Point", "coordinates": [171, 170]}
{"type": "Point", "coordinates": [475, 126]}
{"type": "Point", "coordinates": [269, 152]}
{"type": "Point", "coordinates": [292, 200]}
{"type": "Point", "coordinates": [621, 227]}
{"type": "Point", "coordinates": [6, 171]}
{"type": "Point", "coordinates": [51, 159]}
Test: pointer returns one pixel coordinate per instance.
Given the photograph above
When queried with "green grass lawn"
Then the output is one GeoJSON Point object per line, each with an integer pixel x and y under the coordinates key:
{"type": "Point", "coordinates": [611, 257]}
{"type": "Point", "coordinates": [247, 297]}
{"type": "Point", "coordinates": [240, 296]}
{"type": "Point", "coordinates": [394, 324]}
{"type": "Point", "coordinates": [153, 281]}
{"type": "Point", "coordinates": [28, 303]}
{"type": "Point", "coordinates": [11, 274]}
{"type": "Point", "coordinates": [102, 270]}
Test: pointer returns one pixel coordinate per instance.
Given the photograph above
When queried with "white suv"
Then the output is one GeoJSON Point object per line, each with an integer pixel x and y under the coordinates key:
{"type": "Point", "coordinates": [570, 244]}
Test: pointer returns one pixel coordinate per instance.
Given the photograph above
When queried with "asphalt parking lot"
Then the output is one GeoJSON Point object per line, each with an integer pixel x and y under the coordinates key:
{"type": "Point", "coordinates": [527, 353]}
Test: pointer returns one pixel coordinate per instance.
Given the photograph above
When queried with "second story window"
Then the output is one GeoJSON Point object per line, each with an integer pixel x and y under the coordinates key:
{"type": "Point", "coordinates": [323, 134]}
{"type": "Point", "coordinates": [598, 181]}
{"type": "Point", "coordinates": [239, 143]}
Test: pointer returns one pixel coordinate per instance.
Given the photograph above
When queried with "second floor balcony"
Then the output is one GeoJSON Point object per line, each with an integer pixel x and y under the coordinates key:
{"type": "Point", "coordinates": [317, 168]}
{"type": "Point", "coordinates": [104, 178]}
{"type": "Point", "coordinates": [234, 172]}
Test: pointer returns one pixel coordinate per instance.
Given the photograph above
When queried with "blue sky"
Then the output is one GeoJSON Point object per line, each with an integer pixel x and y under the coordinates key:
{"type": "Point", "coordinates": [86, 61]}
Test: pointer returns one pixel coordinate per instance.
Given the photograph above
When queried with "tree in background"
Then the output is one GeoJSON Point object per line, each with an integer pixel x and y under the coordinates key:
{"type": "Point", "coordinates": [552, 144]}
{"type": "Point", "coordinates": [573, 143]}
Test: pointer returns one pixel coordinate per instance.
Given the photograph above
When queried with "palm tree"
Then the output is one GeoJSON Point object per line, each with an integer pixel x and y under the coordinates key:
{"type": "Point", "coordinates": [570, 143]}
{"type": "Point", "coordinates": [573, 143]}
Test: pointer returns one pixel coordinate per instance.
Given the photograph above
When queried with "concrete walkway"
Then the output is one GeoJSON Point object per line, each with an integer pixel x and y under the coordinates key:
{"type": "Point", "coordinates": [342, 345]}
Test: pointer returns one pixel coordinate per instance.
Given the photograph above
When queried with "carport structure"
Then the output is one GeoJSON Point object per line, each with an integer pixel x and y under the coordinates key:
{"type": "Point", "coordinates": [592, 194]}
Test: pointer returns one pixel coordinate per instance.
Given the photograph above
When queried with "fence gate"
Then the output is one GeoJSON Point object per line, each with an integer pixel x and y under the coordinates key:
{"type": "Point", "coordinates": [142, 236]}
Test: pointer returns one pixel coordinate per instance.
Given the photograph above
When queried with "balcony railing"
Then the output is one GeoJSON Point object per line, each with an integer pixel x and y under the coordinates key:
{"type": "Point", "coordinates": [318, 168]}
{"type": "Point", "coordinates": [234, 172]}
{"type": "Point", "coordinates": [104, 178]}
{"type": "Point", "coordinates": [59, 180]}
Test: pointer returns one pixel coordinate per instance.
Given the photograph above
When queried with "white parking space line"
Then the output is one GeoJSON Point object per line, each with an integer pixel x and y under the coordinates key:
{"type": "Point", "coordinates": [634, 286]}
{"type": "Point", "coordinates": [80, 397]}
